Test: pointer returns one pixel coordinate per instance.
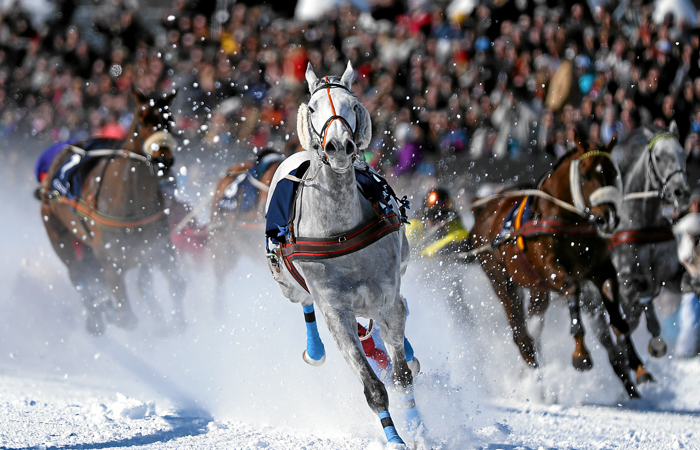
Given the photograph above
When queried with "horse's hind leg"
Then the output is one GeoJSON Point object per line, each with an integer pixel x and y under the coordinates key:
{"type": "Point", "coordinates": [122, 314]}
{"type": "Point", "coordinates": [343, 327]}
{"type": "Point", "coordinates": [539, 302]}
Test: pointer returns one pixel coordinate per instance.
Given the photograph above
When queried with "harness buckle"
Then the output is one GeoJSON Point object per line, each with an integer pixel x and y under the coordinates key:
{"type": "Point", "coordinates": [342, 239]}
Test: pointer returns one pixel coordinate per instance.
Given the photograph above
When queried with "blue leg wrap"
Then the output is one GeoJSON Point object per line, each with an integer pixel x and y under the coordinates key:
{"type": "Point", "coordinates": [413, 419]}
{"type": "Point", "coordinates": [389, 429]}
{"type": "Point", "coordinates": [408, 349]}
{"type": "Point", "coordinates": [314, 346]}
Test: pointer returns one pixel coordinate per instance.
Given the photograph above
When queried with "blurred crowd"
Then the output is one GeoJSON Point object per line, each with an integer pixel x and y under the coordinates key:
{"type": "Point", "coordinates": [501, 79]}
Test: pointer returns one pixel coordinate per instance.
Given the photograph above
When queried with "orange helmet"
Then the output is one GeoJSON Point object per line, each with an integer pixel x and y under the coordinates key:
{"type": "Point", "coordinates": [437, 203]}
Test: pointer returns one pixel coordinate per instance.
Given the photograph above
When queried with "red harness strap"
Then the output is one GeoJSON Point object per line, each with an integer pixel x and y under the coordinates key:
{"type": "Point", "coordinates": [308, 249]}
{"type": "Point", "coordinates": [645, 236]}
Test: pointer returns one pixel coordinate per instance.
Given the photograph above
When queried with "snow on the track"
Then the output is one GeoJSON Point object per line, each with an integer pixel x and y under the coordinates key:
{"type": "Point", "coordinates": [238, 381]}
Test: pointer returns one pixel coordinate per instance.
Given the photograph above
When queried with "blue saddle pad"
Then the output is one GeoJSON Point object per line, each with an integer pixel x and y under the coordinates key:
{"type": "Point", "coordinates": [371, 185]}
{"type": "Point", "coordinates": [509, 223]}
{"type": "Point", "coordinates": [241, 194]}
{"type": "Point", "coordinates": [69, 178]}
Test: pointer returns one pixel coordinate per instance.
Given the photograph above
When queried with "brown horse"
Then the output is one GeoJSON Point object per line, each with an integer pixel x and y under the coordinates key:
{"type": "Point", "coordinates": [546, 245]}
{"type": "Point", "coordinates": [237, 220]}
{"type": "Point", "coordinates": [117, 219]}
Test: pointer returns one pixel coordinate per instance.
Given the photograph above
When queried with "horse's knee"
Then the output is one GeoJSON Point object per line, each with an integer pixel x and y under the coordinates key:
{"type": "Point", "coordinates": [376, 394]}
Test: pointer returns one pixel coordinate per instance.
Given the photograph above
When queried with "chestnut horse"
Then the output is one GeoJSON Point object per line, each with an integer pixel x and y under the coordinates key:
{"type": "Point", "coordinates": [237, 216]}
{"type": "Point", "coordinates": [554, 242]}
{"type": "Point", "coordinates": [117, 219]}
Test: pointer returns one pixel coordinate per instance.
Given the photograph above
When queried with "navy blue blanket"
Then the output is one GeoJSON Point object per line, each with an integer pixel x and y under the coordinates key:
{"type": "Point", "coordinates": [69, 179]}
{"type": "Point", "coordinates": [370, 184]}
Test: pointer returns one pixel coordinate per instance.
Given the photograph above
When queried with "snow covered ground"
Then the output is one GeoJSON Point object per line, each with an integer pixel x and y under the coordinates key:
{"type": "Point", "coordinates": [237, 381]}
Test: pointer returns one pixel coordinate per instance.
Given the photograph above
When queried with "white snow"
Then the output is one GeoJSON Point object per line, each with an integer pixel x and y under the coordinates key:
{"type": "Point", "coordinates": [238, 381]}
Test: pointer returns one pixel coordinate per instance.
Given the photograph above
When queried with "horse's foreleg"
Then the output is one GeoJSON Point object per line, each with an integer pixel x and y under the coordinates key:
{"type": "Point", "coordinates": [315, 353]}
{"type": "Point", "coordinates": [401, 352]}
{"type": "Point", "coordinates": [601, 328]}
{"type": "Point", "coordinates": [581, 358]}
{"type": "Point", "coordinates": [83, 271]}
{"type": "Point", "coordinates": [657, 345]}
{"type": "Point", "coordinates": [144, 283]}
{"type": "Point", "coordinates": [168, 264]}
{"type": "Point", "coordinates": [343, 327]}
{"type": "Point", "coordinates": [622, 327]}
{"type": "Point", "coordinates": [506, 291]}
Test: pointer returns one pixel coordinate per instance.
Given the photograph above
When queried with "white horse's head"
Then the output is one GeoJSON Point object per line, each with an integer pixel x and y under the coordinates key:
{"type": "Point", "coordinates": [333, 125]}
{"type": "Point", "coordinates": [666, 166]}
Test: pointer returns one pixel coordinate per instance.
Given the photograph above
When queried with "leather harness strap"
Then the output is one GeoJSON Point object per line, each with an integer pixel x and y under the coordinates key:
{"type": "Point", "coordinates": [309, 249]}
{"type": "Point", "coordinates": [645, 236]}
{"type": "Point", "coordinates": [306, 249]}
{"type": "Point", "coordinates": [107, 221]}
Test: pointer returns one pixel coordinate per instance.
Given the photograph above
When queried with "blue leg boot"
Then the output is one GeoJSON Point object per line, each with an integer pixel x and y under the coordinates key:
{"type": "Point", "coordinates": [389, 429]}
{"type": "Point", "coordinates": [315, 353]}
{"type": "Point", "coordinates": [412, 361]}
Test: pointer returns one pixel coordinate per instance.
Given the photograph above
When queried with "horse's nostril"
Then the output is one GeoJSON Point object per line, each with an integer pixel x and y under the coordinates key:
{"type": "Point", "coordinates": [330, 147]}
{"type": "Point", "coordinates": [350, 148]}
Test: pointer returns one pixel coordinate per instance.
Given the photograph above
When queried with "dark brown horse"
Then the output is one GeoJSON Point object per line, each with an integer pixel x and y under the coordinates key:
{"type": "Point", "coordinates": [555, 245]}
{"type": "Point", "coordinates": [117, 219]}
{"type": "Point", "coordinates": [237, 220]}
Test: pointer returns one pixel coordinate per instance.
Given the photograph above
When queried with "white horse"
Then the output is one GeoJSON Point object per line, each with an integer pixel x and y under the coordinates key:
{"type": "Point", "coordinates": [643, 247]}
{"type": "Point", "coordinates": [341, 251]}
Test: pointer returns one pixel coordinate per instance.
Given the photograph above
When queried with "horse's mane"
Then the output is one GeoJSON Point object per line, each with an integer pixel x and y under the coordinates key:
{"type": "Point", "coordinates": [564, 158]}
{"type": "Point", "coordinates": [627, 152]}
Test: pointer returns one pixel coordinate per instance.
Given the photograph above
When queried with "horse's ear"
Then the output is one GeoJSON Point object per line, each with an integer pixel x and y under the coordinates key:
{"type": "Point", "coordinates": [364, 127]}
{"type": "Point", "coordinates": [648, 133]}
{"type": "Point", "coordinates": [311, 78]}
{"type": "Point", "coordinates": [304, 129]}
{"type": "Point", "coordinates": [348, 76]}
{"type": "Point", "coordinates": [613, 142]}
{"type": "Point", "coordinates": [673, 128]}
{"type": "Point", "coordinates": [138, 96]}
{"type": "Point", "coordinates": [169, 97]}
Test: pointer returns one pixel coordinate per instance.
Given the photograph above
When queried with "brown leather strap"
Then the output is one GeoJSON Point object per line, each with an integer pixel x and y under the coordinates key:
{"type": "Point", "coordinates": [644, 236]}
{"type": "Point", "coordinates": [106, 221]}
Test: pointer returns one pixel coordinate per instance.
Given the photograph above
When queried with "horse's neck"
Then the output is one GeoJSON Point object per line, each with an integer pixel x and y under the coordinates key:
{"type": "Point", "coordinates": [557, 185]}
{"type": "Point", "coordinates": [331, 204]}
{"type": "Point", "coordinates": [129, 189]}
{"type": "Point", "coordinates": [645, 212]}
{"type": "Point", "coordinates": [133, 140]}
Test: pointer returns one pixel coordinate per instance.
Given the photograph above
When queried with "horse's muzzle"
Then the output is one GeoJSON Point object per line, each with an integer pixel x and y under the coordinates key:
{"type": "Point", "coordinates": [608, 222]}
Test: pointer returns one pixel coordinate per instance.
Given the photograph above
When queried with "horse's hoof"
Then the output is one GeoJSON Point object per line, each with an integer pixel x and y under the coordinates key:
{"type": "Point", "coordinates": [582, 364]}
{"type": "Point", "coordinates": [94, 323]}
{"type": "Point", "coordinates": [179, 323]}
{"type": "Point", "coordinates": [414, 365]}
{"type": "Point", "coordinates": [121, 317]}
{"type": "Point", "coordinates": [643, 376]}
{"type": "Point", "coordinates": [313, 362]}
{"type": "Point", "coordinates": [657, 347]}
{"type": "Point", "coordinates": [632, 392]}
